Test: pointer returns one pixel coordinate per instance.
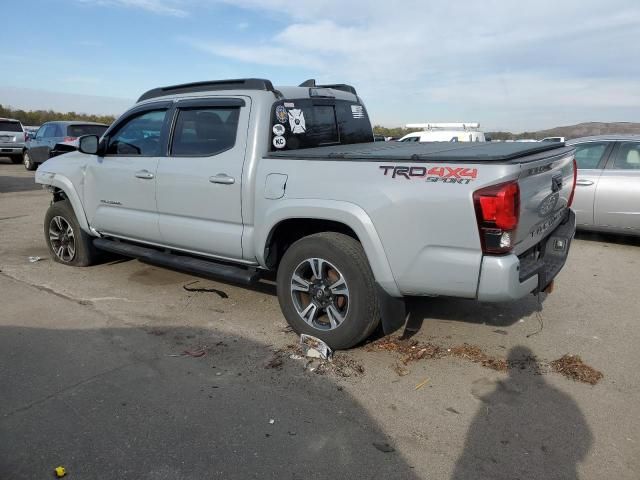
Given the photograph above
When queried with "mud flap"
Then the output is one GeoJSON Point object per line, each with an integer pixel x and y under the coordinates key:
{"type": "Point", "coordinates": [393, 311]}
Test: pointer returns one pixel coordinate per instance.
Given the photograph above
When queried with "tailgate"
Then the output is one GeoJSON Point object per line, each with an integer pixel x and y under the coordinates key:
{"type": "Point", "coordinates": [545, 187]}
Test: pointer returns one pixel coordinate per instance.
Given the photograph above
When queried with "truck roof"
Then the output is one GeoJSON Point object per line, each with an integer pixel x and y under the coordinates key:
{"type": "Point", "coordinates": [242, 85]}
{"type": "Point", "coordinates": [429, 151]}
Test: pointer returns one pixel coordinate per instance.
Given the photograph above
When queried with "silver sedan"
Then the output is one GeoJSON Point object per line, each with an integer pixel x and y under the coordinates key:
{"type": "Point", "coordinates": [607, 194]}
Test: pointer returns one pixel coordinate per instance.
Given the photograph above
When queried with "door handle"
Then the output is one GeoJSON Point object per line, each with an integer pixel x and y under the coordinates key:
{"type": "Point", "coordinates": [584, 183]}
{"type": "Point", "coordinates": [223, 179]}
{"type": "Point", "coordinates": [144, 174]}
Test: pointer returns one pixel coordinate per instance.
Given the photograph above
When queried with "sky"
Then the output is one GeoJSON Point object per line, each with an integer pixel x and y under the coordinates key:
{"type": "Point", "coordinates": [510, 65]}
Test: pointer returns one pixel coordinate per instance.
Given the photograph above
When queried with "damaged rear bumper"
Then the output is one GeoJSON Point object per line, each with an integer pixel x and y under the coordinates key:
{"type": "Point", "coordinates": [510, 277]}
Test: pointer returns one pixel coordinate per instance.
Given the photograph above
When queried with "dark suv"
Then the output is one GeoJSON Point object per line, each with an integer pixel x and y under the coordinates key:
{"type": "Point", "coordinates": [54, 138]}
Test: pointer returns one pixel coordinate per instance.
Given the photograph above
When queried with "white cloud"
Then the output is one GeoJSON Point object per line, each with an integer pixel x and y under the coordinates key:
{"type": "Point", "coordinates": [161, 7]}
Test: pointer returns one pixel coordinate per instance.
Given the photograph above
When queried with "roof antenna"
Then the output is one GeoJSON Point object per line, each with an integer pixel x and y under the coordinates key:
{"type": "Point", "coordinates": [308, 83]}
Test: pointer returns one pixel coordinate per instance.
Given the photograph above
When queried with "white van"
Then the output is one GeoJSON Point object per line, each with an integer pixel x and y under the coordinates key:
{"type": "Point", "coordinates": [445, 132]}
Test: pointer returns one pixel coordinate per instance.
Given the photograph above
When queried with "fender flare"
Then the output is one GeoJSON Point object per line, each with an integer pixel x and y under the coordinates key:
{"type": "Point", "coordinates": [63, 183]}
{"type": "Point", "coordinates": [346, 213]}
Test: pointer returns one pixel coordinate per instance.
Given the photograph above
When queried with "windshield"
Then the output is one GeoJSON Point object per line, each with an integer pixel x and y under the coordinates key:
{"type": "Point", "coordinates": [8, 126]}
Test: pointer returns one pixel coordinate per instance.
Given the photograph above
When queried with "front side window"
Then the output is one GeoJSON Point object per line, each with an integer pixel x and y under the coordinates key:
{"type": "Point", "coordinates": [589, 155]}
{"type": "Point", "coordinates": [138, 136]}
{"type": "Point", "coordinates": [628, 156]}
{"type": "Point", "coordinates": [204, 131]}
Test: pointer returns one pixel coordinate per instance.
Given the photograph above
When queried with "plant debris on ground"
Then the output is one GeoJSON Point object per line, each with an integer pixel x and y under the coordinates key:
{"type": "Point", "coordinates": [573, 367]}
{"type": "Point", "coordinates": [570, 366]}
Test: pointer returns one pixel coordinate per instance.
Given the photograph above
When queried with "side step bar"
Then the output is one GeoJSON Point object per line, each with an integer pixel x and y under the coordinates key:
{"type": "Point", "coordinates": [196, 266]}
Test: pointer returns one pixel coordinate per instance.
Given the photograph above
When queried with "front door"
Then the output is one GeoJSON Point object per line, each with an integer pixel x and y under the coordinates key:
{"type": "Point", "coordinates": [199, 182]}
{"type": "Point", "coordinates": [40, 146]}
{"type": "Point", "coordinates": [120, 185]}
{"type": "Point", "coordinates": [590, 158]}
{"type": "Point", "coordinates": [617, 202]}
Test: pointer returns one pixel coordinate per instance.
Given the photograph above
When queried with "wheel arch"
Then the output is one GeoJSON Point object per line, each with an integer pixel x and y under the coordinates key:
{"type": "Point", "coordinates": [62, 189]}
{"type": "Point", "coordinates": [295, 219]}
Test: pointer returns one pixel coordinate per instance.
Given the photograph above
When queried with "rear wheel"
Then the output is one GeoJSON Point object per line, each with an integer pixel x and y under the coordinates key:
{"type": "Point", "coordinates": [326, 289]}
{"type": "Point", "coordinates": [67, 242]}
{"type": "Point", "coordinates": [29, 164]}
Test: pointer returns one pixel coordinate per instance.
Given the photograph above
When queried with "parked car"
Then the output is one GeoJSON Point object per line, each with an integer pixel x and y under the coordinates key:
{"type": "Point", "coordinates": [553, 139]}
{"type": "Point", "coordinates": [608, 187]}
{"type": "Point", "coordinates": [235, 178]}
{"type": "Point", "coordinates": [31, 131]}
{"type": "Point", "coordinates": [58, 137]}
{"type": "Point", "coordinates": [12, 139]}
{"type": "Point", "coordinates": [444, 132]}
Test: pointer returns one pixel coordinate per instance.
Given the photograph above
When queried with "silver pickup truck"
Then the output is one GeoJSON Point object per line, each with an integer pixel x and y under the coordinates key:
{"type": "Point", "coordinates": [231, 179]}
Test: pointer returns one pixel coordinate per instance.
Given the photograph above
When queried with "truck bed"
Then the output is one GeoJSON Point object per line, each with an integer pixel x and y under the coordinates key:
{"type": "Point", "coordinates": [489, 152]}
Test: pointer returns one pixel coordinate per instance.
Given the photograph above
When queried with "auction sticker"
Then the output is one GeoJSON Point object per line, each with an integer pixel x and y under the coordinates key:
{"type": "Point", "coordinates": [279, 141]}
{"type": "Point", "coordinates": [278, 129]}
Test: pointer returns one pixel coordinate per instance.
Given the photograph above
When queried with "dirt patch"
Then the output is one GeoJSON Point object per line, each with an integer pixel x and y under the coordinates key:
{"type": "Point", "coordinates": [572, 366]}
{"type": "Point", "coordinates": [476, 355]}
{"type": "Point", "coordinates": [342, 364]}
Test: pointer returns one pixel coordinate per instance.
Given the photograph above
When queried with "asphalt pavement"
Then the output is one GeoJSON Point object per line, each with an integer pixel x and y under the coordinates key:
{"type": "Point", "coordinates": [95, 377]}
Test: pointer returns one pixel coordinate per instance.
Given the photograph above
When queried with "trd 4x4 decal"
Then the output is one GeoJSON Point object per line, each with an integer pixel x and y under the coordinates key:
{"type": "Point", "coordinates": [434, 174]}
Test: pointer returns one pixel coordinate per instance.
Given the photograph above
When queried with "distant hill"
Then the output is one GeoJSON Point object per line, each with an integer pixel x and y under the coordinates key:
{"type": "Point", "coordinates": [573, 131]}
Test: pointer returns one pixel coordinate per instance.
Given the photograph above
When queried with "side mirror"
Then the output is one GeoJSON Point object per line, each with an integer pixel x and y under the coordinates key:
{"type": "Point", "coordinates": [89, 144]}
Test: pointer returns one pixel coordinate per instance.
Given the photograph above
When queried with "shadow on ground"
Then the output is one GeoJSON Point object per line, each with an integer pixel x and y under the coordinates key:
{"type": "Point", "coordinates": [608, 238]}
{"type": "Point", "coordinates": [524, 429]}
{"type": "Point", "coordinates": [18, 184]}
{"type": "Point", "coordinates": [112, 403]}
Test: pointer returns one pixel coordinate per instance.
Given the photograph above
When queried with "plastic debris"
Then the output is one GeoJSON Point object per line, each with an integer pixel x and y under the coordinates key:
{"type": "Point", "coordinates": [60, 471]}
{"type": "Point", "coordinates": [271, 421]}
{"type": "Point", "coordinates": [34, 259]}
{"type": "Point", "coordinates": [313, 347]}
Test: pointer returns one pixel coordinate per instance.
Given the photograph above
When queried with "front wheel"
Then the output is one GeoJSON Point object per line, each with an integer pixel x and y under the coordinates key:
{"type": "Point", "coordinates": [67, 242]}
{"type": "Point", "coordinates": [29, 164]}
{"type": "Point", "coordinates": [326, 289]}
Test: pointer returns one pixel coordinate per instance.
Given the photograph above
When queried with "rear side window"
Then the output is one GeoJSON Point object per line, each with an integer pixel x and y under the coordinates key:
{"type": "Point", "coordinates": [205, 131]}
{"type": "Point", "coordinates": [628, 156]}
{"type": "Point", "coordinates": [79, 130]}
{"type": "Point", "coordinates": [10, 126]}
{"type": "Point", "coordinates": [588, 155]}
{"type": "Point", "coordinates": [309, 122]}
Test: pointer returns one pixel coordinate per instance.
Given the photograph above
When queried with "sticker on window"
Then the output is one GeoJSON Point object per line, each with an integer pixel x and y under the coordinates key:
{"type": "Point", "coordinates": [279, 142]}
{"type": "Point", "coordinates": [278, 129]}
{"type": "Point", "coordinates": [281, 114]}
{"type": "Point", "coordinates": [357, 111]}
{"type": "Point", "coordinates": [296, 121]}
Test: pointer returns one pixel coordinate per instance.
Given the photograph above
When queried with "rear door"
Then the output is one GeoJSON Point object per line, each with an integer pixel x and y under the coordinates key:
{"type": "Point", "coordinates": [120, 186]}
{"type": "Point", "coordinates": [617, 200]}
{"type": "Point", "coordinates": [200, 182]}
{"type": "Point", "coordinates": [590, 158]}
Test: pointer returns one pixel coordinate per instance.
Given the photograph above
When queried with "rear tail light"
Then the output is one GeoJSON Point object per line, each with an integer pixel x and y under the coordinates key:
{"type": "Point", "coordinates": [575, 181]}
{"type": "Point", "coordinates": [497, 212]}
{"type": "Point", "coordinates": [70, 139]}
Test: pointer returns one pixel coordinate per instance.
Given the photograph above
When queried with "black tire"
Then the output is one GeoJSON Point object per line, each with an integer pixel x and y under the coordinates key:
{"type": "Point", "coordinates": [28, 162]}
{"type": "Point", "coordinates": [84, 253]}
{"type": "Point", "coordinates": [15, 159]}
{"type": "Point", "coordinates": [347, 256]}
